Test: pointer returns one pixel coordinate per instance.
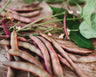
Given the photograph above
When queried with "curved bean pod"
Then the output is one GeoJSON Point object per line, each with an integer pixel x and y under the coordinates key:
{"type": "Point", "coordinates": [26, 45]}
{"type": "Point", "coordinates": [64, 61]}
{"type": "Point", "coordinates": [18, 37]}
{"type": "Point", "coordinates": [31, 48]}
{"type": "Point", "coordinates": [72, 47]}
{"type": "Point", "coordinates": [55, 61]}
{"type": "Point", "coordinates": [25, 56]}
{"type": "Point", "coordinates": [10, 72]}
{"type": "Point", "coordinates": [28, 67]}
{"type": "Point", "coordinates": [44, 52]}
{"type": "Point", "coordinates": [30, 14]}
{"type": "Point", "coordinates": [83, 59]}
{"type": "Point", "coordinates": [26, 9]}
{"type": "Point", "coordinates": [14, 42]}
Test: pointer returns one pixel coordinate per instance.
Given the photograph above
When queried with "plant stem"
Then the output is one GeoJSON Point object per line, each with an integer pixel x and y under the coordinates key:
{"type": "Point", "coordinates": [42, 29]}
{"type": "Point", "coordinates": [5, 6]}
{"type": "Point", "coordinates": [68, 19]}
{"type": "Point", "coordinates": [48, 22]}
{"type": "Point", "coordinates": [48, 30]}
{"type": "Point", "coordinates": [12, 27]}
{"type": "Point", "coordinates": [55, 21]}
{"type": "Point", "coordinates": [45, 23]}
{"type": "Point", "coordinates": [39, 20]}
{"type": "Point", "coordinates": [73, 18]}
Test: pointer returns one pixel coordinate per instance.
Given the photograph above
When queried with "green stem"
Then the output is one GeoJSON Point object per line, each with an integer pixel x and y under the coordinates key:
{"type": "Point", "coordinates": [48, 22]}
{"type": "Point", "coordinates": [73, 18]}
{"type": "Point", "coordinates": [5, 6]}
{"type": "Point", "coordinates": [59, 29]}
{"type": "Point", "coordinates": [38, 21]}
{"type": "Point", "coordinates": [55, 32]}
{"type": "Point", "coordinates": [68, 19]}
{"type": "Point", "coordinates": [74, 29]}
{"type": "Point", "coordinates": [12, 27]}
{"type": "Point", "coordinates": [55, 21]}
{"type": "Point", "coordinates": [25, 35]}
{"type": "Point", "coordinates": [36, 34]}
{"type": "Point", "coordinates": [26, 29]}
{"type": "Point", "coordinates": [47, 31]}
{"type": "Point", "coordinates": [41, 24]}
{"type": "Point", "coordinates": [42, 29]}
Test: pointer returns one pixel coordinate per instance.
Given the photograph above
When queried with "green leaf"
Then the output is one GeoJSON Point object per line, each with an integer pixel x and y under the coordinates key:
{"type": "Point", "coordinates": [58, 10]}
{"type": "Point", "coordinates": [71, 2]}
{"type": "Point", "coordinates": [80, 40]}
{"type": "Point", "coordinates": [55, 1]}
{"type": "Point", "coordinates": [89, 31]}
{"type": "Point", "coordinates": [88, 10]}
{"type": "Point", "coordinates": [73, 25]}
{"type": "Point", "coordinates": [29, 1]}
{"type": "Point", "coordinates": [88, 26]}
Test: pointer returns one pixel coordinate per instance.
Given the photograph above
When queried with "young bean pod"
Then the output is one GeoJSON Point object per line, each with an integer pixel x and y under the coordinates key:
{"type": "Point", "coordinates": [72, 47]}
{"type": "Point", "coordinates": [64, 61]}
{"type": "Point", "coordinates": [26, 9]}
{"type": "Point", "coordinates": [28, 67]}
{"type": "Point", "coordinates": [30, 14]}
{"type": "Point", "coordinates": [84, 59]}
{"type": "Point", "coordinates": [18, 37]}
{"type": "Point", "coordinates": [26, 45]}
{"type": "Point", "coordinates": [14, 41]}
{"type": "Point", "coordinates": [10, 72]}
{"type": "Point", "coordinates": [44, 52]}
{"type": "Point", "coordinates": [26, 56]}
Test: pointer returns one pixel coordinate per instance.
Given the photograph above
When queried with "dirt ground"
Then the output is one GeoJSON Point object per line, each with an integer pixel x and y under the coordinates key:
{"type": "Point", "coordinates": [88, 68]}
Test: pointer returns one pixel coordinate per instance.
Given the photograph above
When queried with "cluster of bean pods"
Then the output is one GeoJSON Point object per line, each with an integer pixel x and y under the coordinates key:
{"type": "Point", "coordinates": [48, 63]}
{"type": "Point", "coordinates": [24, 13]}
